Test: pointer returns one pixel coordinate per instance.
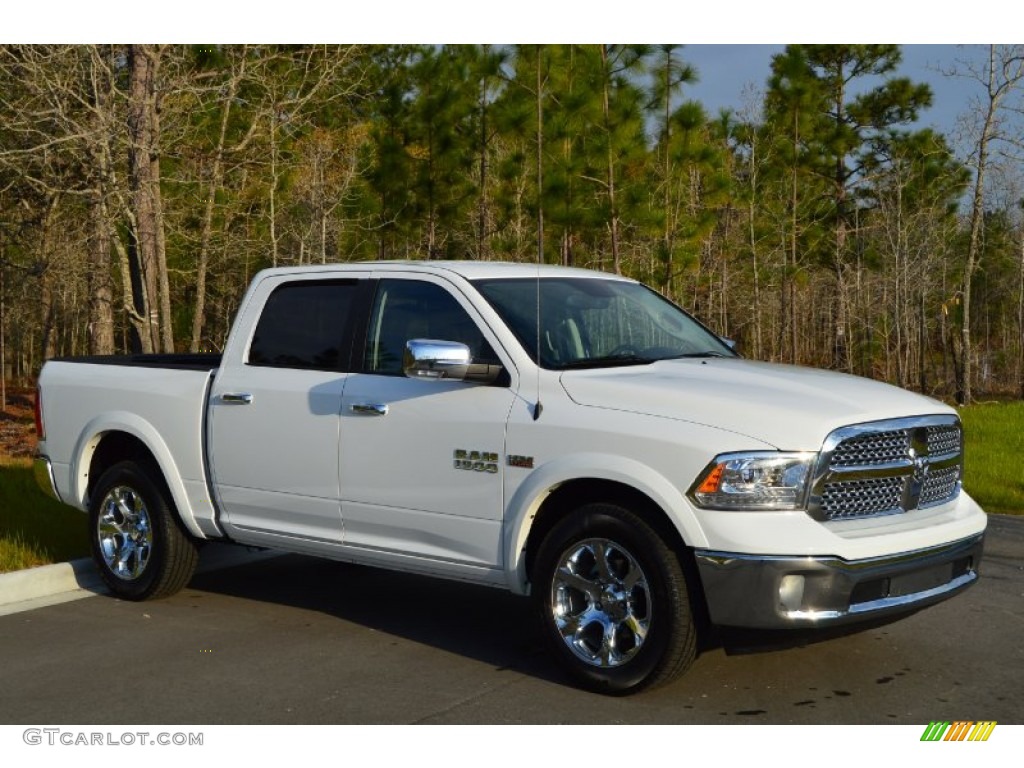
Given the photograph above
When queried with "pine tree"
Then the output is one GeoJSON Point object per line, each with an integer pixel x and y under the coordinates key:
{"type": "Point", "coordinates": [441, 139]}
{"type": "Point", "coordinates": [844, 129]}
{"type": "Point", "coordinates": [669, 73]}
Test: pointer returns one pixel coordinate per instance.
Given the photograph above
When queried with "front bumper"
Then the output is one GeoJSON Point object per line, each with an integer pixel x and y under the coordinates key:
{"type": "Point", "coordinates": [768, 592]}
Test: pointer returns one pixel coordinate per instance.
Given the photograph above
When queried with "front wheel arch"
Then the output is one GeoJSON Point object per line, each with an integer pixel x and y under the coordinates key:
{"type": "Point", "coordinates": [571, 495]}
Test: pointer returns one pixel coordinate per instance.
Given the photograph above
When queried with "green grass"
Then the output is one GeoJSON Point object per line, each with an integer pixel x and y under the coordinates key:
{"type": "Point", "coordinates": [35, 529]}
{"type": "Point", "coordinates": [994, 449]}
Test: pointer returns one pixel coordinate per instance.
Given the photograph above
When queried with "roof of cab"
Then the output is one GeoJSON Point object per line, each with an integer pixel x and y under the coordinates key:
{"type": "Point", "coordinates": [470, 270]}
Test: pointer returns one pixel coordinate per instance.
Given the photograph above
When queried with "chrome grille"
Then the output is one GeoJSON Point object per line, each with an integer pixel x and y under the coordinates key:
{"type": "Point", "coordinates": [857, 498]}
{"type": "Point", "coordinates": [889, 467]}
{"type": "Point", "coordinates": [943, 441]}
{"type": "Point", "coordinates": [869, 450]}
{"type": "Point", "coordinates": [940, 486]}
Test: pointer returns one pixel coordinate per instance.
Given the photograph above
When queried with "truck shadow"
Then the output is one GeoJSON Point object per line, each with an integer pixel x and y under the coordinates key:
{"type": "Point", "coordinates": [735, 641]}
{"type": "Point", "coordinates": [488, 625]}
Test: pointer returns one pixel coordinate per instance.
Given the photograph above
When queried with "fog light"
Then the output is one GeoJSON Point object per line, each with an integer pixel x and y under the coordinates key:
{"type": "Point", "coordinates": [791, 592]}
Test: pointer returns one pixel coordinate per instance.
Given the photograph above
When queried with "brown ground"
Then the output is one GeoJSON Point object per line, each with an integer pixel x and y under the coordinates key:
{"type": "Point", "coordinates": [17, 425]}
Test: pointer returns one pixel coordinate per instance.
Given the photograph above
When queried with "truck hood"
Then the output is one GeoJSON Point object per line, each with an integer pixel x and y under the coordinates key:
{"type": "Point", "coordinates": [789, 407]}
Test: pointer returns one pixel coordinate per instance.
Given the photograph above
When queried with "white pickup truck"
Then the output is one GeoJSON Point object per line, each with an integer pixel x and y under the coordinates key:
{"type": "Point", "coordinates": [560, 433]}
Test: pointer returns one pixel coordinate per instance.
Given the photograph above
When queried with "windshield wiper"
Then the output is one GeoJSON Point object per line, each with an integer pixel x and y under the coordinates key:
{"type": "Point", "coordinates": [708, 353]}
{"type": "Point", "coordinates": [607, 361]}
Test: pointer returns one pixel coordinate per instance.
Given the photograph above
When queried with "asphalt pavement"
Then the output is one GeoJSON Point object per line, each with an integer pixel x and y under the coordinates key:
{"type": "Point", "coordinates": [296, 640]}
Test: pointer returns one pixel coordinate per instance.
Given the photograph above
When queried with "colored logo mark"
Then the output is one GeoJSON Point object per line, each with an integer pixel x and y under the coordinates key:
{"type": "Point", "coordinates": [959, 730]}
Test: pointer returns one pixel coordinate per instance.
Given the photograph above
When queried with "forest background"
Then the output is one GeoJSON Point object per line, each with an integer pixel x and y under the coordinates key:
{"type": "Point", "coordinates": [141, 187]}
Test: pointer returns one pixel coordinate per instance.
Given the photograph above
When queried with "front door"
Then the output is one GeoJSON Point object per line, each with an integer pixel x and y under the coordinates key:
{"type": "Point", "coordinates": [422, 461]}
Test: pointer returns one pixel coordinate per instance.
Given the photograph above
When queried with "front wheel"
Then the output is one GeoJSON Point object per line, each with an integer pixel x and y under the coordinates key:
{"type": "Point", "coordinates": [613, 601]}
{"type": "Point", "coordinates": [138, 544]}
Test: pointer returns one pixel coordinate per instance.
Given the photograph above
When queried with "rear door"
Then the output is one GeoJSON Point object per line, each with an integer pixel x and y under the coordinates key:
{"type": "Point", "coordinates": [274, 415]}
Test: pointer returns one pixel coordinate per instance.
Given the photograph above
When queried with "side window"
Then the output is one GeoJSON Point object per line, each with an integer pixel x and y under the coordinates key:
{"type": "Point", "coordinates": [303, 325]}
{"type": "Point", "coordinates": [412, 309]}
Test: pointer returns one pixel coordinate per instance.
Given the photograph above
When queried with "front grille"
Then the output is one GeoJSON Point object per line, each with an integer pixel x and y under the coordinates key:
{"type": "Point", "coordinates": [888, 468]}
{"type": "Point", "coordinates": [940, 486]}
{"type": "Point", "coordinates": [856, 498]}
{"type": "Point", "coordinates": [869, 450]}
{"type": "Point", "coordinates": [944, 441]}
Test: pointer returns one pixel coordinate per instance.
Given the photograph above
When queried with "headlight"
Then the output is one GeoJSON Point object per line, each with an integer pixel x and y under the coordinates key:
{"type": "Point", "coordinates": [755, 481]}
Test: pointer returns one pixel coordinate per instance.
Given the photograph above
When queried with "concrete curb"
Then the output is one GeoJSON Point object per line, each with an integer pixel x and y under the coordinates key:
{"type": "Point", "coordinates": [47, 585]}
{"type": "Point", "coordinates": [78, 579]}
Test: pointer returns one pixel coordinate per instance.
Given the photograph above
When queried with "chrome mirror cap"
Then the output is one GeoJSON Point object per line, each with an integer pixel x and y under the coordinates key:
{"type": "Point", "coordinates": [433, 359]}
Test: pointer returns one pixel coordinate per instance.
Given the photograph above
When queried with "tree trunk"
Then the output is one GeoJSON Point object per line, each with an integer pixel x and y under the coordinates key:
{"type": "Point", "coordinates": [163, 276]}
{"type": "Point", "coordinates": [3, 334]}
{"type": "Point", "coordinates": [206, 233]}
{"type": "Point", "coordinates": [613, 212]}
{"type": "Point", "coordinates": [540, 166]}
{"type": "Point", "coordinates": [145, 246]}
{"type": "Point", "coordinates": [1020, 321]}
{"type": "Point", "coordinates": [273, 187]}
{"type": "Point", "coordinates": [481, 215]}
{"type": "Point", "coordinates": [100, 282]}
{"type": "Point", "coordinates": [995, 93]}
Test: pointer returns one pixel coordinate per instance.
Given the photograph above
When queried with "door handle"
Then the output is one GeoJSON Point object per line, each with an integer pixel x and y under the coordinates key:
{"type": "Point", "coordinates": [370, 409]}
{"type": "Point", "coordinates": [240, 398]}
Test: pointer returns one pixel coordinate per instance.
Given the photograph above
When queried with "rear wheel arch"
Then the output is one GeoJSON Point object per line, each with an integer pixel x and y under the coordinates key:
{"type": "Point", "coordinates": [109, 443]}
{"type": "Point", "coordinates": [116, 446]}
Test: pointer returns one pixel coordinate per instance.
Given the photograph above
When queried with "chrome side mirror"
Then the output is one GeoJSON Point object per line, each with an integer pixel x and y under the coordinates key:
{"type": "Point", "coordinates": [433, 359]}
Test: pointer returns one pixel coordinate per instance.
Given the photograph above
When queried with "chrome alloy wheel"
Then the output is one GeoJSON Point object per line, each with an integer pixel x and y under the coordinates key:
{"type": "Point", "coordinates": [600, 602]}
{"type": "Point", "coordinates": [124, 533]}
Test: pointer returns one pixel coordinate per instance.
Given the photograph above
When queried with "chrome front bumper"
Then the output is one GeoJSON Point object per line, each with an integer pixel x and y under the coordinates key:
{"type": "Point", "coordinates": [43, 471]}
{"type": "Point", "coordinates": [786, 592]}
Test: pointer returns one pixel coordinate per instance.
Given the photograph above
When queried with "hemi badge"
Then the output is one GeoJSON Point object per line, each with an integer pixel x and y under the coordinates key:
{"type": "Point", "coordinates": [524, 462]}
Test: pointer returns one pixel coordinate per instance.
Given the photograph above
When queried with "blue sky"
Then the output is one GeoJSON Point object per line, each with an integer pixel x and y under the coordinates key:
{"type": "Point", "coordinates": [726, 70]}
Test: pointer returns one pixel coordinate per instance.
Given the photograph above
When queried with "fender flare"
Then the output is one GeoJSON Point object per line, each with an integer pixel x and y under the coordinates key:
{"type": "Point", "coordinates": [130, 424]}
{"type": "Point", "coordinates": [529, 497]}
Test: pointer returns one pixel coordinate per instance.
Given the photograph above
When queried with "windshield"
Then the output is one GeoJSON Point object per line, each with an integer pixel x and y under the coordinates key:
{"type": "Point", "coordinates": [591, 322]}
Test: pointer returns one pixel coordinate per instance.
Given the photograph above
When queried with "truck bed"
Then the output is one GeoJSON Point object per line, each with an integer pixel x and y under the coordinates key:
{"type": "Point", "coordinates": [160, 400]}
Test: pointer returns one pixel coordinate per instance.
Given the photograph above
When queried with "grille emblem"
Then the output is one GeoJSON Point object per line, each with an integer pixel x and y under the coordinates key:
{"type": "Point", "coordinates": [916, 481]}
{"type": "Point", "coordinates": [921, 468]}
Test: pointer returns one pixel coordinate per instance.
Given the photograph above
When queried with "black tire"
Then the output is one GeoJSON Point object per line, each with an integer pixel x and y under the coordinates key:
{"type": "Point", "coordinates": [620, 625]}
{"type": "Point", "coordinates": [138, 544]}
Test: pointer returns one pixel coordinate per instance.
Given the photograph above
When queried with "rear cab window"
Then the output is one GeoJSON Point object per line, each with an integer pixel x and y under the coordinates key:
{"type": "Point", "coordinates": [306, 325]}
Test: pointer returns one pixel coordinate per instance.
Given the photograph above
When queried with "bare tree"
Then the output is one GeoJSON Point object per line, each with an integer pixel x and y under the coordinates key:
{"type": "Point", "coordinates": [148, 252]}
{"type": "Point", "coordinates": [1000, 77]}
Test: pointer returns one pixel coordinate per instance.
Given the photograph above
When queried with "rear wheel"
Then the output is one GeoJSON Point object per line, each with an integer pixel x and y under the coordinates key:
{"type": "Point", "coordinates": [613, 601]}
{"type": "Point", "coordinates": [139, 546]}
